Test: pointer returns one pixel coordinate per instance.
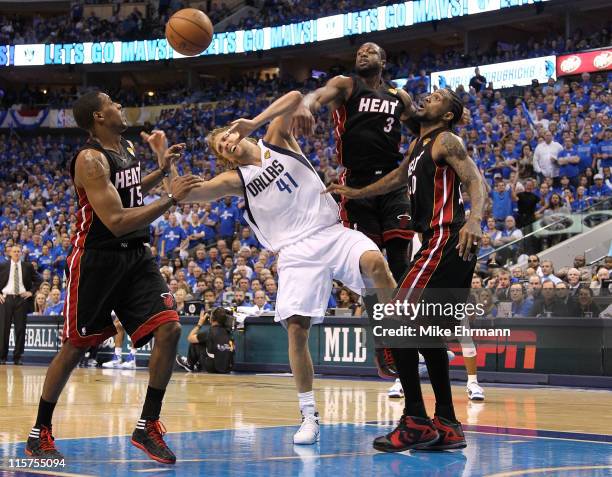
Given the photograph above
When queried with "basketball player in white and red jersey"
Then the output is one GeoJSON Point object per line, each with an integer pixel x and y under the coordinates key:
{"type": "Point", "coordinates": [289, 212]}
{"type": "Point", "coordinates": [368, 115]}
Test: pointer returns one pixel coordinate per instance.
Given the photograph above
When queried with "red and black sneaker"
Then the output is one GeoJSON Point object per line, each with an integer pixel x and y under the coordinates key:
{"type": "Point", "coordinates": [412, 432]}
{"type": "Point", "coordinates": [385, 363]}
{"type": "Point", "coordinates": [41, 444]}
{"type": "Point", "coordinates": [148, 436]}
{"type": "Point", "coordinates": [451, 435]}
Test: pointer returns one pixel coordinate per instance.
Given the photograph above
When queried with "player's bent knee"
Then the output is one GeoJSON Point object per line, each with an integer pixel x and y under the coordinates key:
{"type": "Point", "coordinates": [468, 351]}
{"type": "Point", "coordinates": [168, 332]}
{"type": "Point", "coordinates": [373, 264]}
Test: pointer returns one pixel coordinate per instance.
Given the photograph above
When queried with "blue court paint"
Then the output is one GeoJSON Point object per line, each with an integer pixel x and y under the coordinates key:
{"type": "Point", "coordinates": [344, 450]}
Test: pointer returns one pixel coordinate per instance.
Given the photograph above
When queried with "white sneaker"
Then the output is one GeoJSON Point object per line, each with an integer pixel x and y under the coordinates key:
{"type": "Point", "coordinates": [396, 390]}
{"type": "Point", "coordinates": [130, 362]}
{"type": "Point", "coordinates": [113, 363]}
{"type": "Point", "coordinates": [308, 433]}
{"type": "Point", "coordinates": [475, 392]}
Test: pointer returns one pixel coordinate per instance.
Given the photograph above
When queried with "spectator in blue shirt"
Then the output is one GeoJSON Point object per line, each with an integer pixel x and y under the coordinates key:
{"type": "Point", "coordinates": [247, 239]}
{"type": "Point", "coordinates": [228, 216]}
{"type": "Point", "coordinates": [521, 306]}
{"type": "Point", "coordinates": [60, 254]}
{"type": "Point", "coordinates": [599, 190]}
{"type": "Point", "coordinates": [172, 237]}
{"type": "Point", "coordinates": [45, 261]}
{"type": "Point", "coordinates": [502, 201]}
{"type": "Point", "coordinates": [605, 150]}
{"type": "Point", "coordinates": [587, 151]}
{"type": "Point", "coordinates": [198, 232]}
{"type": "Point", "coordinates": [580, 200]}
{"type": "Point", "coordinates": [54, 306]}
{"type": "Point", "coordinates": [569, 162]}
{"type": "Point", "coordinates": [209, 220]}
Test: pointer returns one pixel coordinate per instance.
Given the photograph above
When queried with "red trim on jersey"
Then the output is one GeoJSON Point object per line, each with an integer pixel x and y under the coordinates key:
{"type": "Point", "coordinates": [152, 324]}
{"type": "Point", "coordinates": [71, 305]}
{"type": "Point", "coordinates": [398, 233]}
{"type": "Point", "coordinates": [84, 219]}
{"type": "Point", "coordinates": [423, 269]}
{"type": "Point", "coordinates": [343, 212]}
{"type": "Point", "coordinates": [339, 116]}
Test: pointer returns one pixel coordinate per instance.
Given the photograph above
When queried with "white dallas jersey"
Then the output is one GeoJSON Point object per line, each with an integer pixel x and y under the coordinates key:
{"type": "Point", "coordinates": [283, 198]}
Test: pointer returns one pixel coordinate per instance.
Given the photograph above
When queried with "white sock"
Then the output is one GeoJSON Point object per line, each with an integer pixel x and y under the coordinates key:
{"type": "Point", "coordinates": [133, 351]}
{"type": "Point", "coordinates": [307, 403]}
{"type": "Point", "coordinates": [117, 351]}
{"type": "Point", "coordinates": [472, 378]}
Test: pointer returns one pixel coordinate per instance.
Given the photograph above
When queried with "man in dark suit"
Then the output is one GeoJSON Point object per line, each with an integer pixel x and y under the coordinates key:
{"type": "Point", "coordinates": [18, 282]}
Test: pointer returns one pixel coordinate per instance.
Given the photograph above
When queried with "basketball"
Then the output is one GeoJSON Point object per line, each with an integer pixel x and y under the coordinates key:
{"type": "Point", "coordinates": [189, 31]}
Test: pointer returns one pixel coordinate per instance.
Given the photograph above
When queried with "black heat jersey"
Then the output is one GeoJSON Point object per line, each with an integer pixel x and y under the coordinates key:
{"type": "Point", "coordinates": [125, 176]}
{"type": "Point", "coordinates": [368, 132]}
{"type": "Point", "coordinates": [434, 190]}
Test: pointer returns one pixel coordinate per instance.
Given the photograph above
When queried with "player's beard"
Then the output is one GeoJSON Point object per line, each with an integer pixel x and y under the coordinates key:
{"type": "Point", "coordinates": [369, 71]}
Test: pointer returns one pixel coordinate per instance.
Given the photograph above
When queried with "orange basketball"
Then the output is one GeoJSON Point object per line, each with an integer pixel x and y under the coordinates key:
{"type": "Point", "coordinates": [189, 31]}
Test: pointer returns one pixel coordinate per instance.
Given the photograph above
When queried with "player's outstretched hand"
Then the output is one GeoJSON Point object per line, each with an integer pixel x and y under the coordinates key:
{"type": "Point", "coordinates": [343, 190]}
{"type": "Point", "coordinates": [157, 141]}
{"type": "Point", "coordinates": [182, 185]}
{"type": "Point", "coordinates": [172, 154]}
{"type": "Point", "coordinates": [302, 121]}
{"type": "Point", "coordinates": [239, 129]}
{"type": "Point", "coordinates": [469, 239]}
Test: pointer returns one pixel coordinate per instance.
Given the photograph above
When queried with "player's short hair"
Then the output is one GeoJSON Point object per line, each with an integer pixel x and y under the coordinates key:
{"type": "Point", "coordinates": [84, 108]}
{"type": "Point", "coordinates": [210, 139]}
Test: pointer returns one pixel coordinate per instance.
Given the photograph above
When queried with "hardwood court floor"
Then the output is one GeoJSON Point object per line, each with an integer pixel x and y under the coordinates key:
{"type": "Point", "coordinates": [248, 408]}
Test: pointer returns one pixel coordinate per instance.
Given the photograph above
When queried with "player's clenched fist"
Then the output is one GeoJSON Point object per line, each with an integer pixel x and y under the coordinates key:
{"type": "Point", "coordinates": [182, 185]}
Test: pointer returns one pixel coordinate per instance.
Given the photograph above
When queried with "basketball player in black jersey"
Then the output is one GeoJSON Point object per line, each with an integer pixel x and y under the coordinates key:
{"type": "Point", "coordinates": [368, 114]}
{"type": "Point", "coordinates": [436, 166]}
{"type": "Point", "coordinates": [110, 268]}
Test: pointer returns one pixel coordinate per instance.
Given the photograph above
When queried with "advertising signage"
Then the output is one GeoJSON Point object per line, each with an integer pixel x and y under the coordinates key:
{"type": "Point", "coordinates": [587, 62]}
{"type": "Point", "coordinates": [503, 75]}
{"type": "Point", "coordinates": [382, 18]}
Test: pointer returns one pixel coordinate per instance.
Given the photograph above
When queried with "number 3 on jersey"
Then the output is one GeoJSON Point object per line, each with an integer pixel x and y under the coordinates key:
{"type": "Point", "coordinates": [412, 180]}
{"type": "Point", "coordinates": [282, 185]}
{"type": "Point", "coordinates": [389, 125]}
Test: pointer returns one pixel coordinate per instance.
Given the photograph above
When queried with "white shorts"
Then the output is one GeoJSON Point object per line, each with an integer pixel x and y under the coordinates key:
{"type": "Point", "coordinates": [306, 270]}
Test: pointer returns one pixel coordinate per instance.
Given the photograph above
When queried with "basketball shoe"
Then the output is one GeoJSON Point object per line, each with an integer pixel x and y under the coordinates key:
{"type": "Point", "coordinates": [129, 362]}
{"type": "Point", "coordinates": [41, 444]}
{"type": "Point", "coordinates": [385, 363]}
{"type": "Point", "coordinates": [308, 433]}
{"type": "Point", "coordinates": [474, 391]}
{"type": "Point", "coordinates": [396, 390]}
{"type": "Point", "coordinates": [451, 435]}
{"type": "Point", "coordinates": [113, 363]}
{"type": "Point", "coordinates": [149, 437]}
{"type": "Point", "coordinates": [412, 432]}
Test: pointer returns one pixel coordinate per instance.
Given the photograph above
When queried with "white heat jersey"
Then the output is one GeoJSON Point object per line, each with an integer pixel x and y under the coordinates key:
{"type": "Point", "coordinates": [283, 198]}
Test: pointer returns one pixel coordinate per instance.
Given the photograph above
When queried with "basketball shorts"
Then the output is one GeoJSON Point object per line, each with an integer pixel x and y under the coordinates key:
{"type": "Point", "coordinates": [379, 217]}
{"type": "Point", "coordinates": [438, 275]}
{"type": "Point", "coordinates": [307, 268]}
{"type": "Point", "coordinates": [126, 281]}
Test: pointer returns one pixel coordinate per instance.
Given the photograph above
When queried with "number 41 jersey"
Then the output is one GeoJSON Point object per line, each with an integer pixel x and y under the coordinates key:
{"type": "Point", "coordinates": [283, 198]}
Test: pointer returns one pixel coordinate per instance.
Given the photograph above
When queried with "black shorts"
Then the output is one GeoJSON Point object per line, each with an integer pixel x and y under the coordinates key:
{"type": "Point", "coordinates": [127, 282]}
{"type": "Point", "coordinates": [438, 275]}
{"type": "Point", "coordinates": [378, 217]}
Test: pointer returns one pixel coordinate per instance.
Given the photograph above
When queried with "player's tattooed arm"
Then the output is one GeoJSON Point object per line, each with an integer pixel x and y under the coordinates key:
{"type": "Point", "coordinates": [392, 181]}
{"type": "Point", "coordinates": [450, 148]}
{"type": "Point", "coordinates": [92, 174]}
{"type": "Point", "coordinates": [334, 94]}
{"type": "Point", "coordinates": [227, 183]}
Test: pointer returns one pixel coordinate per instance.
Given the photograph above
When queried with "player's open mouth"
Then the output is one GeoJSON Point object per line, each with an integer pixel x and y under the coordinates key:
{"type": "Point", "coordinates": [233, 148]}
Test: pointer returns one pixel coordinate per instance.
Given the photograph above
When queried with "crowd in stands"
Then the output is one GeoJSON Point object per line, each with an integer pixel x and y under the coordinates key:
{"type": "Point", "coordinates": [543, 153]}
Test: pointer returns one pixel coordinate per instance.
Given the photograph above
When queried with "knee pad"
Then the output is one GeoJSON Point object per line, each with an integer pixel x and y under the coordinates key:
{"type": "Point", "coordinates": [468, 350]}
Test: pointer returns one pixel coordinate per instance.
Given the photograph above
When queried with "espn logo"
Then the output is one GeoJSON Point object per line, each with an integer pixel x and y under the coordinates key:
{"type": "Point", "coordinates": [505, 347]}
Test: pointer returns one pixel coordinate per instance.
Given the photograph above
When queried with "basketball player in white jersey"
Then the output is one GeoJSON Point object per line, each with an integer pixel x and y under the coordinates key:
{"type": "Point", "coordinates": [290, 214]}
